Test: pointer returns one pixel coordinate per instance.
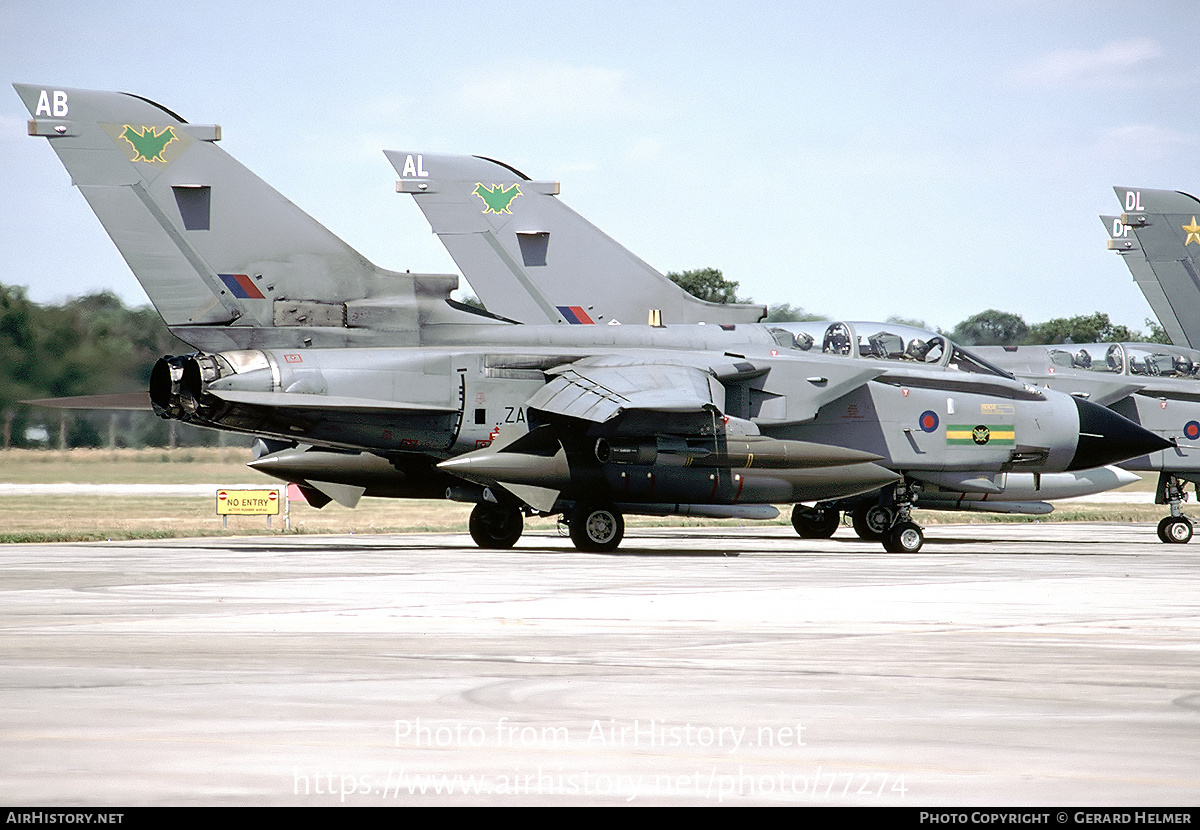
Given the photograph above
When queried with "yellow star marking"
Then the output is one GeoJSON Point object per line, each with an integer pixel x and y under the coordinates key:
{"type": "Point", "coordinates": [1193, 233]}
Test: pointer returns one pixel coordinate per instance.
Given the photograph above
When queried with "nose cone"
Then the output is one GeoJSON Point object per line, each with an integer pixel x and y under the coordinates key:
{"type": "Point", "coordinates": [1107, 438]}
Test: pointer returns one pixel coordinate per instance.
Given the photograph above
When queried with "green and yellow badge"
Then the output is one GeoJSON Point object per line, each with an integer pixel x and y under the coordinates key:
{"type": "Point", "coordinates": [965, 435]}
{"type": "Point", "coordinates": [147, 143]}
{"type": "Point", "coordinates": [497, 198]}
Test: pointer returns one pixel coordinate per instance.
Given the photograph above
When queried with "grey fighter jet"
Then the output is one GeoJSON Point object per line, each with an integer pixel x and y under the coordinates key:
{"type": "Point", "coordinates": [1151, 384]}
{"type": "Point", "coordinates": [532, 244]}
{"type": "Point", "coordinates": [344, 370]}
{"type": "Point", "coordinates": [908, 348]}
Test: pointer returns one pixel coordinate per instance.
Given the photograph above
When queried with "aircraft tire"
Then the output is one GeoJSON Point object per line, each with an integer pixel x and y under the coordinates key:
{"type": "Point", "coordinates": [1175, 530]}
{"type": "Point", "coordinates": [596, 528]}
{"type": "Point", "coordinates": [906, 537]}
{"type": "Point", "coordinates": [495, 527]}
{"type": "Point", "coordinates": [871, 521]}
{"type": "Point", "coordinates": [815, 523]}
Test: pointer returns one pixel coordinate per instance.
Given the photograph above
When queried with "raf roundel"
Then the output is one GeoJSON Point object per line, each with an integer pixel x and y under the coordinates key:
{"type": "Point", "coordinates": [1191, 430]}
{"type": "Point", "coordinates": [928, 421]}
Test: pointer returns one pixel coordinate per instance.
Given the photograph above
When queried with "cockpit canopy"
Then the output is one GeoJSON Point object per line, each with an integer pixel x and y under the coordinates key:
{"type": "Point", "coordinates": [881, 341]}
{"type": "Point", "coordinates": [1141, 359]}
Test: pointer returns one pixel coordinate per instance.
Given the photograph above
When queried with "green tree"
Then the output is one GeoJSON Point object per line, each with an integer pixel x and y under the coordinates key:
{"type": "Point", "coordinates": [1157, 333]}
{"type": "Point", "coordinates": [1084, 328]}
{"type": "Point", "coordinates": [788, 313]}
{"type": "Point", "coordinates": [88, 345]}
{"type": "Point", "coordinates": [906, 321]}
{"type": "Point", "coordinates": [991, 328]}
{"type": "Point", "coordinates": [707, 284]}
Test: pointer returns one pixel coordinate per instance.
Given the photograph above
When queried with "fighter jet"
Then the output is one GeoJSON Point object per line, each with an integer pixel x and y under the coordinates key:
{"type": "Point", "coordinates": [523, 256]}
{"type": "Point", "coordinates": [343, 369]}
{"type": "Point", "coordinates": [1151, 384]}
{"type": "Point", "coordinates": [908, 348]}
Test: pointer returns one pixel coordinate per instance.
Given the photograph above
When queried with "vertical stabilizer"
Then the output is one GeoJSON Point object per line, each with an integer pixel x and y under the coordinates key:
{"type": "Point", "coordinates": [226, 259]}
{"type": "Point", "coordinates": [531, 258]}
{"type": "Point", "coordinates": [1159, 238]}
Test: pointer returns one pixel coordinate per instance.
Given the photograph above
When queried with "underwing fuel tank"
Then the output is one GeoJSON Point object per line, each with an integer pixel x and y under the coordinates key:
{"type": "Point", "coordinates": [344, 476]}
{"type": "Point", "coordinates": [775, 471]}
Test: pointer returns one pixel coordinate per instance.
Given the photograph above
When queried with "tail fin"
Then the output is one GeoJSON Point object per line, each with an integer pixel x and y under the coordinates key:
{"type": "Point", "coordinates": [1159, 238]}
{"type": "Point", "coordinates": [227, 261]}
{"type": "Point", "coordinates": [531, 258]}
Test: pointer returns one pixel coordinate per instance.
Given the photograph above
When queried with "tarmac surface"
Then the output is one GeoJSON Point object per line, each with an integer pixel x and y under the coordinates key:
{"type": "Point", "coordinates": [1002, 665]}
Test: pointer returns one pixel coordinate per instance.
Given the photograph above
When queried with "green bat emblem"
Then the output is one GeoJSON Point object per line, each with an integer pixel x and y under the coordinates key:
{"type": "Point", "coordinates": [149, 145]}
{"type": "Point", "coordinates": [497, 198]}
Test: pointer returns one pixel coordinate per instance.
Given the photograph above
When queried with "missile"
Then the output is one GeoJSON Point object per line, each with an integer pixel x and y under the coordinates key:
{"type": "Point", "coordinates": [1028, 508]}
{"type": "Point", "coordinates": [1024, 486]}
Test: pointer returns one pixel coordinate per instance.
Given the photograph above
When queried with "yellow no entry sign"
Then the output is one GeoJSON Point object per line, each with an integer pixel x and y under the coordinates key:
{"type": "Point", "coordinates": [248, 502]}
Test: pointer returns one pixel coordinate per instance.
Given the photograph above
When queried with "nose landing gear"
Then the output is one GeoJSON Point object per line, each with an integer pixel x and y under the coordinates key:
{"type": "Point", "coordinates": [1175, 529]}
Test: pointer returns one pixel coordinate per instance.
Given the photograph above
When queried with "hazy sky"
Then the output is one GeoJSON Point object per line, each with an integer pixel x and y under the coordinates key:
{"type": "Point", "coordinates": [927, 159]}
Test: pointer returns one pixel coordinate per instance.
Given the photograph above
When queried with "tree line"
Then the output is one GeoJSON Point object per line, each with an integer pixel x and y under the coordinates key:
{"type": "Point", "coordinates": [89, 345]}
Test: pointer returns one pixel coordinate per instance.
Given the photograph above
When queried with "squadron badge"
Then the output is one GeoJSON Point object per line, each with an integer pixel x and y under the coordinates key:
{"type": "Point", "coordinates": [149, 144]}
{"type": "Point", "coordinates": [497, 198]}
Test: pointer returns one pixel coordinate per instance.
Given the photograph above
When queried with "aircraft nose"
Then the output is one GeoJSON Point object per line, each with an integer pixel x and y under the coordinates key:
{"type": "Point", "coordinates": [1108, 438]}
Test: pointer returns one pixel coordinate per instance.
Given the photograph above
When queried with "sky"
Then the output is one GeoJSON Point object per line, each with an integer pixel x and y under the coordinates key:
{"type": "Point", "coordinates": [928, 160]}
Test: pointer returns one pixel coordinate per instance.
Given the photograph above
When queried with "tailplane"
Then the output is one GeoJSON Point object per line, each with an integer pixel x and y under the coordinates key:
{"type": "Point", "coordinates": [531, 258]}
{"type": "Point", "coordinates": [226, 260]}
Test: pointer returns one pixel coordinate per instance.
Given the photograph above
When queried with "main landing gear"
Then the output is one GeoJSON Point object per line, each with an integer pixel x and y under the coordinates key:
{"type": "Point", "coordinates": [892, 523]}
{"type": "Point", "coordinates": [815, 522]}
{"type": "Point", "coordinates": [871, 521]}
{"type": "Point", "coordinates": [1175, 529]}
{"type": "Point", "coordinates": [596, 528]}
{"type": "Point", "coordinates": [888, 523]}
{"type": "Point", "coordinates": [496, 526]}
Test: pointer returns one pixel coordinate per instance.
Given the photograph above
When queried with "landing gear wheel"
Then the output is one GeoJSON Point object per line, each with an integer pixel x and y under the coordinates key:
{"type": "Point", "coordinates": [495, 527]}
{"type": "Point", "coordinates": [815, 523]}
{"type": "Point", "coordinates": [1176, 530]}
{"type": "Point", "coordinates": [596, 529]}
{"type": "Point", "coordinates": [906, 537]}
{"type": "Point", "coordinates": [871, 521]}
